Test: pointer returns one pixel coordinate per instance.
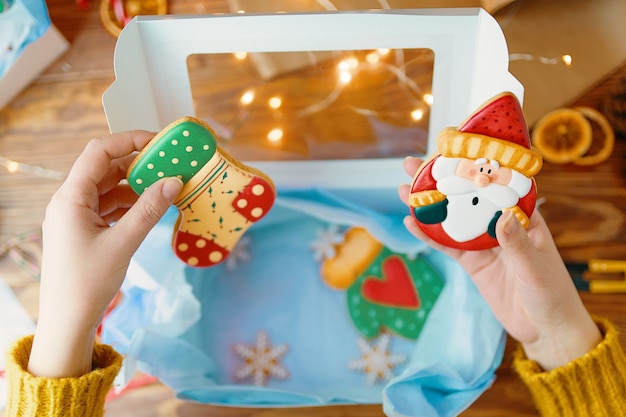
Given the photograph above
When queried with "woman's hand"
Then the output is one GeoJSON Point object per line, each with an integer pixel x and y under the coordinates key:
{"type": "Point", "coordinates": [525, 282]}
{"type": "Point", "coordinates": [94, 224]}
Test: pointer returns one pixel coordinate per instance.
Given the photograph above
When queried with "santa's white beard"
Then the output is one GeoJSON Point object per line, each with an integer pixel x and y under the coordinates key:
{"type": "Point", "coordinates": [471, 208]}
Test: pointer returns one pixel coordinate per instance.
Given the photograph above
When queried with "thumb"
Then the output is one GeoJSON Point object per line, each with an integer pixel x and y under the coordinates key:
{"type": "Point", "coordinates": [147, 211]}
{"type": "Point", "coordinates": [512, 237]}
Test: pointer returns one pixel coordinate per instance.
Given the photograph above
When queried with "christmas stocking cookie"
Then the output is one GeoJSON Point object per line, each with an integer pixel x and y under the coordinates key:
{"type": "Point", "coordinates": [481, 169]}
{"type": "Point", "coordinates": [221, 197]}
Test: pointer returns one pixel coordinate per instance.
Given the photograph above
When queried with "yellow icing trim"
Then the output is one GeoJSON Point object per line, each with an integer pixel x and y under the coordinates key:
{"type": "Point", "coordinates": [455, 144]}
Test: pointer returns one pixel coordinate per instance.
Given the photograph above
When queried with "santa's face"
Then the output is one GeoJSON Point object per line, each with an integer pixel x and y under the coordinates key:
{"type": "Point", "coordinates": [483, 172]}
{"type": "Point", "coordinates": [476, 191]}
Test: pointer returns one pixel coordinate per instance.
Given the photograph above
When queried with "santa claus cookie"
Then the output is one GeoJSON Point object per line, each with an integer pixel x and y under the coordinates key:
{"type": "Point", "coordinates": [481, 169]}
{"type": "Point", "coordinates": [221, 197]}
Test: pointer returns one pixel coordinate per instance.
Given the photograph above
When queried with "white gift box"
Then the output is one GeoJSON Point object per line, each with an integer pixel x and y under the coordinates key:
{"type": "Point", "coordinates": [153, 87]}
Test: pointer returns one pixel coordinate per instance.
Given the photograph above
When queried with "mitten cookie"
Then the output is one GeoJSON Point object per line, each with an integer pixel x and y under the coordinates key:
{"type": "Point", "coordinates": [481, 169]}
{"type": "Point", "coordinates": [385, 290]}
{"type": "Point", "coordinates": [221, 197]}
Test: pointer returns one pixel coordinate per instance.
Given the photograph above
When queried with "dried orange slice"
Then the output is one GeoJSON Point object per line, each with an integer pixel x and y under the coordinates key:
{"type": "Point", "coordinates": [597, 154]}
{"type": "Point", "coordinates": [562, 135]}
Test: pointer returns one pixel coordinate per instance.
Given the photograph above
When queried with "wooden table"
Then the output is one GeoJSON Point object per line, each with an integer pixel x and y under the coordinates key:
{"type": "Point", "coordinates": [49, 123]}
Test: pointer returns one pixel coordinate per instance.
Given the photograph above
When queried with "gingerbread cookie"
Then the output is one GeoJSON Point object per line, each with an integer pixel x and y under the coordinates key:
{"type": "Point", "coordinates": [482, 168]}
{"type": "Point", "coordinates": [221, 197]}
{"type": "Point", "coordinates": [385, 290]}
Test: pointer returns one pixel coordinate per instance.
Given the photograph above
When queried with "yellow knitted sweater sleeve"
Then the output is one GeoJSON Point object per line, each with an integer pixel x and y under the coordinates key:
{"type": "Point", "coordinates": [51, 397]}
{"type": "Point", "coordinates": [593, 385]}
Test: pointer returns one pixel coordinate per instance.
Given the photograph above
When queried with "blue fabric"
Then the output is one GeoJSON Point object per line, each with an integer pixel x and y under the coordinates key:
{"type": "Point", "coordinates": [181, 324]}
{"type": "Point", "coordinates": [21, 24]}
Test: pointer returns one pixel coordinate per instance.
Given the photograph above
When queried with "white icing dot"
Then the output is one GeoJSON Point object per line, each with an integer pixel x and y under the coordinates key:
{"type": "Point", "coordinates": [192, 261]}
{"type": "Point", "coordinates": [186, 133]}
{"type": "Point", "coordinates": [257, 212]}
{"type": "Point", "coordinates": [242, 203]}
{"type": "Point", "coordinates": [205, 147]}
{"type": "Point", "coordinates": [183, 247]}
{"type": "Point", "coordinates": [139, 181]}
{"type": "Point", "coordinates": [174, 142]}
{"type": "Point", "coordinates": [162, 153]}
{"type": "Point", "coordinates": [189, 148]}
{"type": "Point", "coordinates": [160, 174]}
{"type": "Point", "coordinates": [194, 163]}
{"type": "Point", "coordinates": [174, 161]}
{"type": "Point", "coordinates": [200, 243]}
{"type": "Point", "coordinates": [258, 189]}
{"type": "Point", "coordinates": [215, 256]}
{"type": "Point", "coordinates": [150, 166]}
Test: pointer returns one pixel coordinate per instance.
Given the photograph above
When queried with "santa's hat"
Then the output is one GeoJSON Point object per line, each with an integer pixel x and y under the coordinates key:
{"type": "Point", "coordinates": [496, 131]}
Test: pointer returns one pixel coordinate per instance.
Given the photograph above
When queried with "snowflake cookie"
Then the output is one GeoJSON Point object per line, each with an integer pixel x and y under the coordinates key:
{"type": "Point", "coordinates": [377, 361]}
{"type": "Point", "coordinates": [261, 361]}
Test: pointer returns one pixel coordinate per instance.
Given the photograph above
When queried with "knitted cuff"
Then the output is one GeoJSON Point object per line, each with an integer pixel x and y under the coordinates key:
{"type": "Point", "coordinates": [592, 385]}
{"type": "Point", "coordinates": [40, 396]}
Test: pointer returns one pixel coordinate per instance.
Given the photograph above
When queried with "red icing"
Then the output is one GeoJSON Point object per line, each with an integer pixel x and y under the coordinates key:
{"type": "Point", "coordinates": [188, 246]}
{"type": "Point", "coordinates": [396, 289]}
{"type": "Point", "coordinates": [263, 201]}
{"type": "Point", "coordinates": [502, 118]}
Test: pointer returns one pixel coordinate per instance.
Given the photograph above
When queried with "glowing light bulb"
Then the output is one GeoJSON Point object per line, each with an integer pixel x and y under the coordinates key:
{"type": "Point", "coordinates": [372, 57]}
{"type": "Point", "coordinates": [12, 166]}
{"type": "Point", "coordinates": [428, 99]}
{"type": "Point", "coordinates": [275, 102]}
{"type": "Point", "coordinates": [345, 77]}
{"type": "Point", "coordinates": [240, 55]}
{"type": "Point", "coordinates": [352, 62]}
{"type": "Point", "coordinates": [417, 114]}
{"type": "Point", "coordinates": [567, 59]}
{"type": "Point", "coordinates": [247, 97]}
{"type": "Point", "coordinates": [383, 51]}
{"type": "Point", "coordinates": [275, 135]}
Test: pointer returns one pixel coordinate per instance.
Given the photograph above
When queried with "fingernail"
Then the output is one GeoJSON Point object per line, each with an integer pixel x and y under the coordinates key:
{"type": "Point", "coordinates": [510, 223]}
{"type": "Point", "coordinates": [171, 188]}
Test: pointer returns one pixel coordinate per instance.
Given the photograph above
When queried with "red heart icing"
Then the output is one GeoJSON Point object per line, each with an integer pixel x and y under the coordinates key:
{"type": "Point", "coordinates": [396, 287]}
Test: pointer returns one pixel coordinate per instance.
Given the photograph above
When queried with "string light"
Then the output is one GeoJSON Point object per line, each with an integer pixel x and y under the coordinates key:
{"type": "Point", "coordinates": [275, 102]}
{"type": "Point", "coordinates": [275, 135]}
{"type": "Point", "coordinates": [14, 167]}
{"type": "Point", "coordinates": [240, 55]}
{"type": "Point", "coordinates": [563, 59]}
{"type": "Point", "coordinates": [247, 97]}
{"type": "Point", "coordinates": [417, 114]}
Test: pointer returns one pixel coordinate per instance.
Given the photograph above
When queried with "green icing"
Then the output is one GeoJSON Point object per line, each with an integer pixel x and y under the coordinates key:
{"type": "Point", "coordinates": [370, 317]}
{"type": "Point", "coordinates": [180, 151]}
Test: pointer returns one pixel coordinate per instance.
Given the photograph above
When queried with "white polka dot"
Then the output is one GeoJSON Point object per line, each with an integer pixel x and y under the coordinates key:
{"type": "Point", "coordinates": [194, 163]}
{"type": "Point", "coordinates": [193, 261]}
{"type": "Point", "coordinates": [258, 189]}
{"type": "Point", "coordinates": [242, 203]}
{"type": "Point", "coordinates": [150, 166]}
{"type": "Point", "coordinates": [174, 161]}
{"type": "Point", "coordinates": [162, 153]}
{"type": "Point", "coordinates": [205, 147]}
{"type": "Point", "coordinates": [257, 212]}
{"type": "Point", "coordinates": [160, 174]}
{"type": "Point", "coordinates": [186, 133]}
{"type": "Point", "coordinates": [174, 142]}
{"type": "Point", "coordinates": [189, 148]}
{"type": "Point", "coordinates": [139, 181]}
{"type": "Point", "coordinates": [215, 256]}
{"type": "Point", "coordinates": [200, 243]}
{"type": "Point", "coordinates": [183, 247]}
